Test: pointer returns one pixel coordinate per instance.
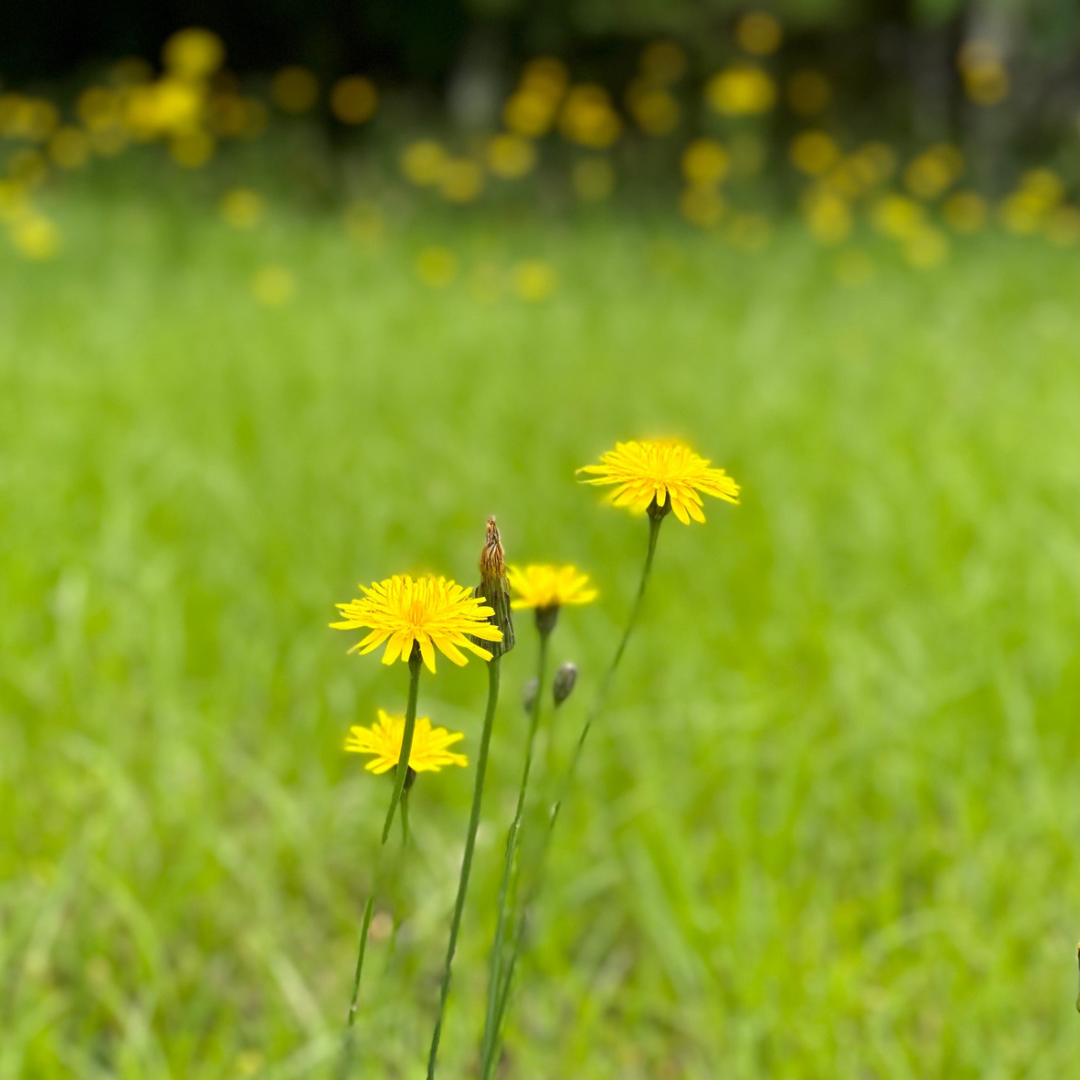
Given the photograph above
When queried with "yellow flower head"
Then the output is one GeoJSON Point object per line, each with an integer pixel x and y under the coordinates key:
{"type": "Point", "coordinates": [549, 586]}
{"type": "Point", "coordinates": [667, 471]}
{"type": "Point", "coordinates": [382, 740]}
{"type": "Point", "coordinates": [429, 611]}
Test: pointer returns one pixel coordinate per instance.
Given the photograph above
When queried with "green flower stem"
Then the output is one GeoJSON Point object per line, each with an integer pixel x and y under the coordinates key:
{"type": "Point", "coordinates": [510, 865]}
{"type": "Point", "coordinates": [400, 776]}
{"type": "Point", "coordinates": [401, 773]}
{"type": "Point", "coordinates": [655, 521]}
{"type": "Point", "coordinates": [466, 862]}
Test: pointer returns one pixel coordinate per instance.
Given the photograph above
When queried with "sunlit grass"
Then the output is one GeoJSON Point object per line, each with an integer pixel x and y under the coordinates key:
{"type": "Point", "coordinates": [828, 825]}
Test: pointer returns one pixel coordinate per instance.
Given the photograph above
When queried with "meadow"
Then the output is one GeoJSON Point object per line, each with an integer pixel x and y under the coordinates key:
{"type": "Point", "coordinates": [827, 825]}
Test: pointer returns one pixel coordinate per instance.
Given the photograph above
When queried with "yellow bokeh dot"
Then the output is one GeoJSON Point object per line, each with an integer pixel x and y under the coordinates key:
{"type": "Point", "coordinates": [874, 163]}
{"type": "Point", "coordinates": [423, 162]}
{"type": "Point", "coordinates": [898, 216]}
{"type": "Point", "coordinates": [545, 76]}
{"type": "Point", "coordinates": [354, 99]}
{"type": "Point", "coordinates": [364, 222]}
{"type": "Point", "coordinates": [69, 148]}
{"type": "Point", "coordinates": [986, 84]}
{"type": "Point", "coordinates": [461, 180]}
{"type": "Point", "coordinates": [926, 248]}
{"type": "Point", "coordinates": [534, 280]}
{"type": "Point", "coordinates": [1023, 213]}
{"type": "Point", "coordinates": [930, 173]}
{"type": "Point", "coordinates": [808, 92]}
{"type": "Point", "coordinates": [194, 53]}
{"type": "Point", "coordinates": [653, 108]}
{"type": "Point", "coordinates": [242, 208]}
{"type": "Point", "coordinates": [814, 152]}
{"type": "Point", "coordinates": [294, 89]}
{"type": "Point", "coordinates": [663, 62]}
{"type": "Point", "coordinates": [593, 179]}
{"type": "Point", "coordinates": [1043, 184]}
{"type": "Point", "coordinates": [249, 1062]}
{"type": "Point", "coordinates": [705, 163]}
{"type": "Point", "coordinates": [273, 286]}
{"type": "Point", "coordinates": [750, 232]}
{"type": "Point", "coordinates": [28, 168]}
{"type": "Point", "coordinates": [588, 118]}
{"type": "Point", "coordinates": [510, 156]}
{"type": "Point", "coordinates": [529, 113]}
{"type": "Point", "coordinates": [36, 237]}
{"type": "Point", "coordinates": [702, 206]}
{"type": "Point", "coordinates": [99, 108]}
{"type": "Point", "coordinates": [436, 267]}
{"type": "Point", "coordinates": [853, 268]}
{"type": "Point", "coordinates": [1063, 226]}
{"type": "Point", "coordinates": [758, 33]}
{"type": "Point", "coordinates": [741, 90]}
{"type": "Point", "coordinates": [828, 217]}
{"type": "Point", "coordinates": [192, 149]}
{"type": "Point", "coordinates": [965, 212]}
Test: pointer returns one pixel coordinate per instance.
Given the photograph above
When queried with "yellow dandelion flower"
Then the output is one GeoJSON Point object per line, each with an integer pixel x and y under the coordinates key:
{"type": "Point", "coordinates": [549, 586]}
{"type": "Point", "coordinates": [382, 740]}
{"type": "Point", "coordinates": [430, 612]}
{"type": "Point", "coordinates": [668, 473]}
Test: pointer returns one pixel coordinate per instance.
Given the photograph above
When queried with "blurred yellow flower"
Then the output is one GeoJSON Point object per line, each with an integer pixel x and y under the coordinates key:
{"type": "Point", "coordinates": [702, 206]}
{"type": "Point", "coordinates": [588, 118]}
{"type": "Point", "coordinates": [99, 108]}
{"type": "Point", "coordinates": [930, 173]}
{"type": "Point", "coordinates": [898, 216]}
{"type": "Point", "coordinates": [194, 53]}
{"type": "Point", "coordinates": [808, 92]}
{"type": "Point", "coordinates": [436, 267]}
{"type": "Point", "coordinates": [965, 211]}
{"type": "Point", "coordinates": [461, 180]}
{"type": "Point", "coordinates": [423, 162]}
{"type": "Point", "coordinates": [546, 76]}
{"type": "Point", "coordinates": [242, 208]}
{"type": "Point", "coordinates": [653, 107]}
{"type": "Point", "coordinates": [828, 216]}
{"type": "Point", "coordinates": [664, 473]}
{"type": "Point", "coordinates": [663, 62]}
{"type": "Point", "coordinates": [529, 113]}
{"type": "Point", "coordinates": [294, 89]}
{"type": "Point", "coordinates": [741, 90]}
{"type": "Point", "coordinates": [1023, 213]}
{"type": "Point", "coordinates": [354, 99]}
{"type": "Point", "coordinates": [534, 280]}
{"type": "Point", "coordinates": [705, 162]}
{"type": "Point", "coordinates": [273, 286]}
{"type": "Point", "coordinates": [69, 148]}
{"type": "Point", "coordinates": [546, 586]}
{"type": "Point", "coordinates": [192, 149]}
{"type": "Point", "coordinates": [428, 612]}
{"type": "Point", "coordinates": [1063, 226]}
{"type": "Point", "coordinates": [814, 152]}
{"type": "Point", "coordinates": [593, 179]}
{"type": "Point", "coordinates": [36, 237]}
{"type": "Point", "coordinates": [758, 33]}
{"type": "Point", "coordinates": [1044, 185]}
{"type": "Point", "coordinates": [983, 73]}
{"type": "Point", "coordinates": [429, 751]}
{"type": "Point", "coordinates": [510, 156]}
{"type": "Point", "coordinates": [874, 163]}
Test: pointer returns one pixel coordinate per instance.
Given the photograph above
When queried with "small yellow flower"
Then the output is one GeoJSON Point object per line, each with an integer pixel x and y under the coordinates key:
{"type": "Point", "coordinates": [665, 471]}
{"type": "Point", "coordinates": [549, 586]}
{"type": "Point", "coordinates": [382, 740]}
{"type": "Point", "coordinates": [428, 611]}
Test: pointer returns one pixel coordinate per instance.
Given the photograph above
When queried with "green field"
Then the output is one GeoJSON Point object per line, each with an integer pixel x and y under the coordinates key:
{"type": "Point", "coordinates": [828, 825]}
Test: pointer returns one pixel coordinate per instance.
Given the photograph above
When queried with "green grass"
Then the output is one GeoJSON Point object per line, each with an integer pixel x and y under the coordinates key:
{"type": "Point", "coordinates": [828, 825]}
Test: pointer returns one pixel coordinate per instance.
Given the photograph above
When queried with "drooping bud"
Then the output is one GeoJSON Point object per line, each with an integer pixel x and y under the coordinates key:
{"type": "Point", "coordinates": [495, 590]}
{"type": "Point", "coordinates": [565, 679]}
{"type": "Point", "coordinates": [528, 694]}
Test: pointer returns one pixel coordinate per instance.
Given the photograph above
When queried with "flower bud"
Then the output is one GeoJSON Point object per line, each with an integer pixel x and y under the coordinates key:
{"type": "Point", "coordinates": [528, 694]}
{"type": "Point", "coordinates": [494, 589]}
{"type": "Point", "coordinates": [563, 686]}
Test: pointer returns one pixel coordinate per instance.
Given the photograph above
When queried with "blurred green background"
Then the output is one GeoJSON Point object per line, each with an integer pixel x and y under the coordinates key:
{"type": "Point", "coordinates": [252, 353]}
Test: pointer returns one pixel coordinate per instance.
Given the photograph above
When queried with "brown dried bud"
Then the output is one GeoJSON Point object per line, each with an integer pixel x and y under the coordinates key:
{"type": "Point", "coordinates": [495, 590]}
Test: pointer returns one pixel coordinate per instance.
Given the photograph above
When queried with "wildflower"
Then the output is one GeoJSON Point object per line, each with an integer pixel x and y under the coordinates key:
{"type": "Point", "coordinates": [659, 476]}
{"type": "Point", "coordinates": [549, 586]}
{"type": "Point", "coordinates": [382, 740]}
{"type": "Point", "coordinates": [741, 90]}
{"type": "Point", "coordinates": [427, 612]}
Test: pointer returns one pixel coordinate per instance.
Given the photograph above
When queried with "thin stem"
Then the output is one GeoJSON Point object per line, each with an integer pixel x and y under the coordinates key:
{"type": "Point", "coordinates": [401, 773]}
{"type": "Point", "coordinates": [466, 862]}
{"type": "Point", "coordinates": [598, 702]}
{"type": "Point", "coordinates": [509, 867]}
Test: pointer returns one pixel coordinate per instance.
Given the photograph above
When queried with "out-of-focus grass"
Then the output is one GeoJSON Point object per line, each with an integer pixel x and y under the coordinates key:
{"type": "Point", "coordinates": [828, 825]}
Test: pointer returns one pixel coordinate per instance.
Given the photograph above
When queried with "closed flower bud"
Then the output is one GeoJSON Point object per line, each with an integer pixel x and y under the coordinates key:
{"type": "Point", "coordinates": [495, 590]}
{"type": "Point", "coordinates": [563, 686]}
{"type": "Point", "coordinates": [528, 695]}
